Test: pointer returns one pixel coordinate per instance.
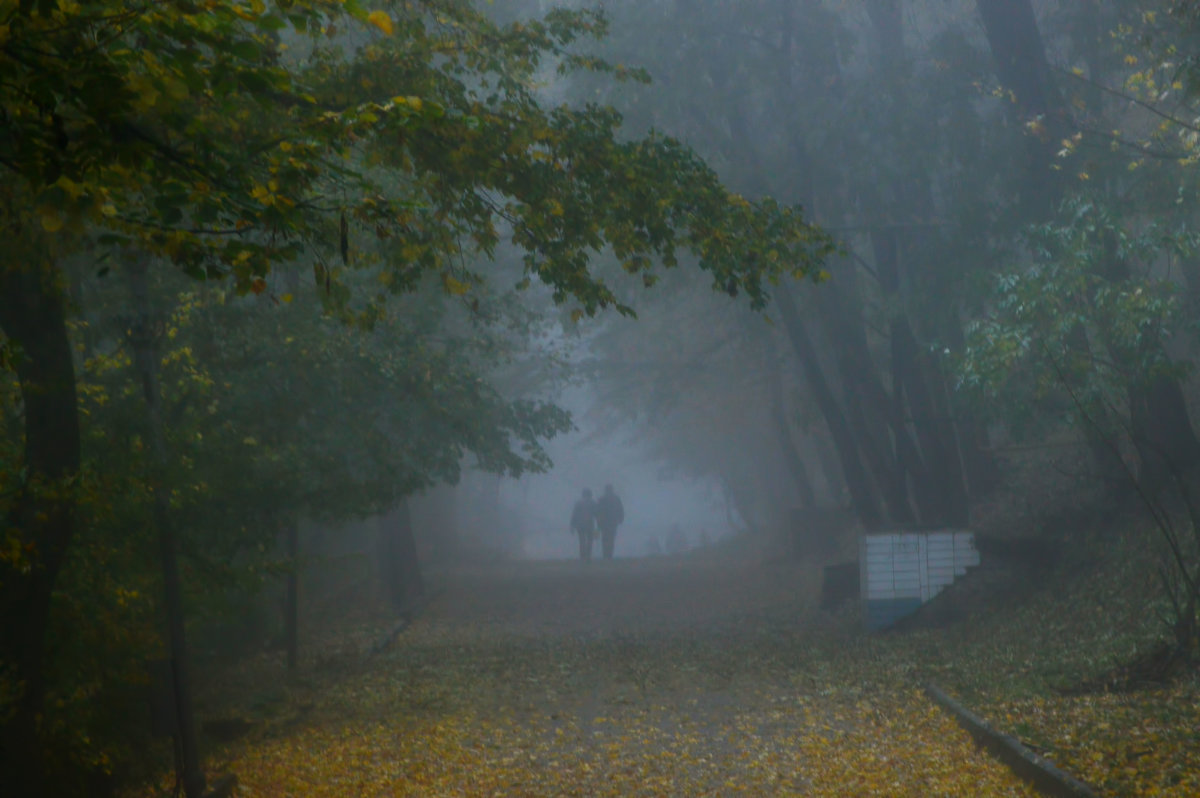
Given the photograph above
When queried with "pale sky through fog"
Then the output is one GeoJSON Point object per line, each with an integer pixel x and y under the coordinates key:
{"type": "Point", "coordinates": [544, 501]}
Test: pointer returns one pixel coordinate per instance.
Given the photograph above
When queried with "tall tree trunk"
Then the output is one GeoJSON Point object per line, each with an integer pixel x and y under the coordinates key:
{"type": "Point", "coordinates": [291, 607]}
{"type": "Point", "coordinates": [146, 358]}
{"type": "Point", "coordinates": [1160, 425]}
{"type": "Point", "coordinates": [835, 481]}
{"type": "Point", "coordinates": [440, 506]}
{"type": "Point", "coordinates": [935, 471]}
{"type": "Point", "coordinates": [400, 568]}
{"type": "Point", "coordinates": [1021, 65]}
{"type": "Point", "coordinates": [909, 407]}
{"type": "Point", "coordinates": [948, 504]}
{"type": "Point", "coordinates": [979, 463]}
{"type": "Point", "coordinates": [862, 493]}
{"type": "Point", "coordinates": [783, 429]}
{"type": "Point", "coordinates": [42, 515]}
{"type": "Point", "coordinates": [880, 429]}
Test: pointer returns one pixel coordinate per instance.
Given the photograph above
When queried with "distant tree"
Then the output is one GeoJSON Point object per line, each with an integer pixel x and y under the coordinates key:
{"type": "Point", "coordinates": [1161, 427]}
{"type": "Point", "coordinates": [808, 111]}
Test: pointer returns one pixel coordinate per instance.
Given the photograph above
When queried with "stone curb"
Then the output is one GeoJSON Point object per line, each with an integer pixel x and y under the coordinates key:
{"type": "Point", "coordinates": [1045, 777]}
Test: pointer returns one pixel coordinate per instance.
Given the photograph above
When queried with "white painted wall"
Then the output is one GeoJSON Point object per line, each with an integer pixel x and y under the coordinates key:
{"type": "Point", "coordinates": [897, 565]}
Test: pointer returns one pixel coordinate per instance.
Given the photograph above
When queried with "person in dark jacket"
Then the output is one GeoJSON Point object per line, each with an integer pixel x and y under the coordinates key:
{"type": "Point", "coordinates": [583, 523]}
{"type": "Point", "coordinates": [609, 515]}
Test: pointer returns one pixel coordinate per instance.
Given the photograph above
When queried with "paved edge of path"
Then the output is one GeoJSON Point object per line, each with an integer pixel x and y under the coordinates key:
{"type": "Point", "coordinates": [1044, 775]}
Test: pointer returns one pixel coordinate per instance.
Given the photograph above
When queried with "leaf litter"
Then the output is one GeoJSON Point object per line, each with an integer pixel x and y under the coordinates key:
{"type": "Point", "coordinates": [661, 677]}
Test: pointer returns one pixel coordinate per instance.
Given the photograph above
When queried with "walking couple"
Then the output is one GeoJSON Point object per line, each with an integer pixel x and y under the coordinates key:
{"type": "Point", "coordinates": [607, 513]}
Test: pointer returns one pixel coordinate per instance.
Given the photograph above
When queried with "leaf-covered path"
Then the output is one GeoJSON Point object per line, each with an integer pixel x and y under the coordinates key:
{"type": "Point", "coordinates": [618, 679]}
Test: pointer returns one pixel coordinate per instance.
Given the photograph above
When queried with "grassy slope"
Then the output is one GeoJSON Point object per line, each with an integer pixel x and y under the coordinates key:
{"type": "Point", "coordinates": [1091, 615]}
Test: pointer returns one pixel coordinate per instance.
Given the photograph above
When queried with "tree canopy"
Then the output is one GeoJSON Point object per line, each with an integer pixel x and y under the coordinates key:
{"type": "Point", "coordinates": [380, 146]}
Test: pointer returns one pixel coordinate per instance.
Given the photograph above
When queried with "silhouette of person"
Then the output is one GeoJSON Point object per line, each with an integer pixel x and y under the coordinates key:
{"type": "Point", "coordinates": [609, 515]}
{"type": "Point", "coordinates": [583, 523]}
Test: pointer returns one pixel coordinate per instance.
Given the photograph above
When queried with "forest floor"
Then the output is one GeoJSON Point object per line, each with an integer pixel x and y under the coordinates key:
{"type": "Point", "coordinates": [695, 676]}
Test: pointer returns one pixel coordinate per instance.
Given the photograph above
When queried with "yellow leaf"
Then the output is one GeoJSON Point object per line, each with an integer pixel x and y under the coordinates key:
{"type": "Point", "coordinates": [381, 20]}
{"type": "Point", "coordinates": [287, 298]}
{"type": "Point", "coordinates": [455, 287]}
{"type": "Point", "coordinates": [52, 221]}
{"type": "Point", "coordinates": [73, 189]}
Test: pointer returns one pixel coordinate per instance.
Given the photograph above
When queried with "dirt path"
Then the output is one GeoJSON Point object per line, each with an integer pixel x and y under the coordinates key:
{"type": "Point", "coordinates": [630, 678]}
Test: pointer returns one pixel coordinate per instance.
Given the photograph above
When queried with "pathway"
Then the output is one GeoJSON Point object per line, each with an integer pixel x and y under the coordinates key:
{"type": "Point", "coordinates": [628, 678]}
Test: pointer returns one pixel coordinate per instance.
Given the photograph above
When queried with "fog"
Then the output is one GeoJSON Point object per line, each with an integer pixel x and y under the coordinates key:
{"type": "Point", "coordinates": [653, 499]}
{"type": "Point", "coordinates": [881, 317]}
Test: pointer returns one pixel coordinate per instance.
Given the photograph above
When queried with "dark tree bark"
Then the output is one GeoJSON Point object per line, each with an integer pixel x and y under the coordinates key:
{"type": "Point", "coordinates": [862, 493]}
{"type": "Point", "coordinates": [1021, 65]}
{"type": "Point", "coordinates": [1160, 425]}
{"type": "Point", "coordinates": [948, 504]}
{"type": "Point", "coordinates": [146, 358]}
{"type": "Point", "coordinates": [1020, 55]}
{"type": "Point", "coordinates": [795, 463]}
{"type": "Point", "coordinates": [979, 463]}
{"type": "Point", "coordinates": [830, 467]}
{"type": "Point", "coordinates": [400, 568]}
{"type": "Point", "coordinates": [879, 428]}
{"type": "Point", "coordinates": [33, 318]}
{"type": "Point", "coordinates": [934, 469]}
{"type": "Point", "coordinates": [439, 505]}
{"type": "Point", "coordinates": [910, 405]}
{"type": "Point", "coordinates": [291, 608]}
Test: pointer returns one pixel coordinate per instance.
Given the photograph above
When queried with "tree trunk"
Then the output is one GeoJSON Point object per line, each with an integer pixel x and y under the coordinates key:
{"type": "Point", "coordinates": [1020, 55]}
{"type": "Point", "coordinates": [880, 429]}
{"type": "Point", "coordinates": [1162, 430]}
{"type": "Point", "coordinates": [291, 609]}
{"type": "Point", "coordinates": [948, 502]}
{"type": "Point", "coordinates": [1022, 67]}
{"type": "Point", "coordinates": [400, 569]}
{"type": "Point", "coordinates": [935, 471]}
{"type": "Point", "coordinates": [33, 317]}
{"type": "Point", "coordinates": [440, 505]}
{"type": "Point", "coordinates": [862, 493]}
{"type": "Point", "coordinates": [978, 462]}
{"type": "Point", "coordinates": [1160, 426]}
{"type": "Point", "coordinates": [783, 429]}
{"type": "Point", "coordinates": [146, 358]}
{"type": "Point", "coordinates": [835, 481]}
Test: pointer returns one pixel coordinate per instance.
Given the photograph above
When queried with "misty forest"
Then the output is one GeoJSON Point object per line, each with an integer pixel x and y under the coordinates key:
{"type": "Point", "coordinates": [599, 398]}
